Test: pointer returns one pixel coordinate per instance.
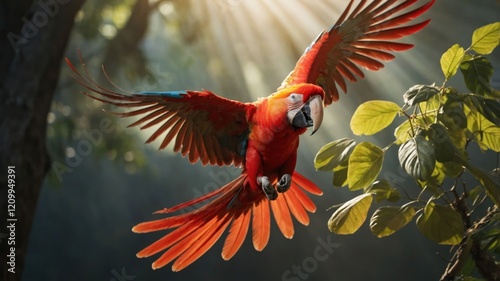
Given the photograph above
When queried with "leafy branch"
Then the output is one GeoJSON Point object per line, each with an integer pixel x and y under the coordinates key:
{"type": "Point", "coordinates": [433, 142]}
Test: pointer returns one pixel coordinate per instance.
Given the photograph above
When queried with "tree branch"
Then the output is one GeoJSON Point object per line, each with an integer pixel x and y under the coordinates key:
{"type": "Point", "coordinates": [470, 245]}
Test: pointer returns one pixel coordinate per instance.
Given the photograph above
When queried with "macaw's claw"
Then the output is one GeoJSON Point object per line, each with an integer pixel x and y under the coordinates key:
{"type": "Point", "coordinates": [284, 183]}
{"type": "Point", "coordinates": [267, 187]}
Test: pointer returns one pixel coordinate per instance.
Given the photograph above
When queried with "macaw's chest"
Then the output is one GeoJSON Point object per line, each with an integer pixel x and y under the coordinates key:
{"type": "Point", "coordinates": [274, 145]}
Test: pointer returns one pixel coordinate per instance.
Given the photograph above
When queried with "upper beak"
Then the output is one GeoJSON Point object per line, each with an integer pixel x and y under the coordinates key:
{"type": "Point", "coordinates": [308, 115]}
{"type": "Point", "coordinates": [316, 106]}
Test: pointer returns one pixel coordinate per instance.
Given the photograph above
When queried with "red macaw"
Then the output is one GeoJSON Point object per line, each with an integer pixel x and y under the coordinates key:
{"type": "Point", "coordinates": [262, 137]}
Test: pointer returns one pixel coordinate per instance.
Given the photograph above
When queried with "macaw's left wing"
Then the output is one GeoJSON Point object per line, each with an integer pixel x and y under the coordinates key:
{"type": "Point", "coordinates": [205, 126]}
{"type": "Point", "coordinates": [358, 39]}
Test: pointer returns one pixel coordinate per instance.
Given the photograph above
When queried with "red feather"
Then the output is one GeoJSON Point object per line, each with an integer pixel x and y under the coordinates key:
{"type": "Point", "coordinates": [237, 234]}
{"type": "Point", "coordinates": [261, 224]}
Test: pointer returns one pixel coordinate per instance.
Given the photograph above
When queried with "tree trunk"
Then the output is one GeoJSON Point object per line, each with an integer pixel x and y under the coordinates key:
{"type": "Point", "coordinates": [34, 37]}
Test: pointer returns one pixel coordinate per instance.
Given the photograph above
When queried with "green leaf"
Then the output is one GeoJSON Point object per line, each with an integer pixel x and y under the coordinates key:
{"type": "Point", "coordinates": [404, 131]}
{"type": "Point", "coordinates": [452, 115]}
{"type": "Point", "coordinates": [340, 177]}
{"type": "Point", "coordinates": [475, 193]}
{"type": "Point", "coordinates": [451, 59]}
{"type": "Point", "coordinates": [444, 148]}
{"type": "Point", "coordinates": [365, 164]}
{"type": "Point", "coordinates": [492, 188]}
{"type": "Point", "coordinates": [450, 169]}
{"type": "Point", "coordinates": [490, 237]}
{"type": "Point", "coordinates": [387, 220]}
{"type": "Point", "coordinates": [333, 154]}
{"type": "Point", "coordinates": [458, 137]}
{"type": "Point", "coordinates": [489, 108]}
{"type": "Point", "coordinates": [441, 224]}
{"type": "Point", "coordinates": [433, 104]}
{"type": "Point", "coordinates": [485, 133]}
{"type": "Point", "coordinates": [419, 93]}
{"type": "Point", "coordinates": [435, 180]}
{"type": "Point", "coordinates": [486, 38]}
{"type": "Point", "coordinates": [417, 157]}
{"type": "Point", "coordinates": [451, 94]}
{"type": "Point", "coordinates": [383, 190]}
{"type": "Point", "coordinates": [477, 72]}
{"type": "Point", "coordinates": [373, 116]}
{"type": "Point", "coordinates": [349, 217]}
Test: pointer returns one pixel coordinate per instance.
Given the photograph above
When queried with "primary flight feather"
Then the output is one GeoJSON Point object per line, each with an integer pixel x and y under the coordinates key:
{"type": "Point", "coordinates": [262, 137]}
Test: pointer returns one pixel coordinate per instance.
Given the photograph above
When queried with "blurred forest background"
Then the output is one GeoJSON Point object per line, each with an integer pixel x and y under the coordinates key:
{"type": "Point", "coordinates": [101, 179]}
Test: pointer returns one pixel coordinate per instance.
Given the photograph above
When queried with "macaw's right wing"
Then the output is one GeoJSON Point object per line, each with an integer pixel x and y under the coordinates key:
{"type": "Point", "coordinates": [361, 38]}
{"type": "Point", "coordinates": [205, 126]}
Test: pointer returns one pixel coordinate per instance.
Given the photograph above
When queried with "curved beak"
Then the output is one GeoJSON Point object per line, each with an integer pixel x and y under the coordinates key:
{"type": "Point", "coordinates": [316, 106]}
{"type": "Point", "coordinates": [308, 115]}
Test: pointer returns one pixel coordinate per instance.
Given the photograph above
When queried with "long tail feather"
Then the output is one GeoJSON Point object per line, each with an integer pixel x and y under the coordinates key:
{"type": "Point", "coordinates": [237, 235]}
{"type": "Point", "coordinates": [183, 244]}
{"type": "Point", "coordinates": [169, 240]}
{"type": "Point", "coordinates": [296, 208]}
{"type": "Point", "coordinates": [233, 205]}
{"type": "Point", "coordinates": [304, 199]}
{"type": "Point", "coordinates": [261, 225]}
{"type": "Point", "coordinates": [203, 245]}
{"type": "Point", "coordinates": [282, 216]}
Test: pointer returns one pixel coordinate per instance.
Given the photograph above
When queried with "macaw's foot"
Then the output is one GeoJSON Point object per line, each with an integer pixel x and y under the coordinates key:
{"type": "Point", "coordinates": [267, 187]}
{"type": "Point", "coordinates": [284, 183]}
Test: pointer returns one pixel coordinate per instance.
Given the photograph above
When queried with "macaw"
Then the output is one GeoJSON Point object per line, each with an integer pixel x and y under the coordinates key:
{"type": "Point", "coordinates": [261, 137]}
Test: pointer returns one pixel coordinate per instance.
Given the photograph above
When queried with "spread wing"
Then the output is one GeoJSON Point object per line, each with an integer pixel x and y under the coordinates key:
{"type": "Point", "coordinates": [359, 39]}
{"type": "Point", "coordinates": [204, 126]}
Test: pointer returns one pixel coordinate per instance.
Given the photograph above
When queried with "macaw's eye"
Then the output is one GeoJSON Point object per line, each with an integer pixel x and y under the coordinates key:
{"type": "Point", "coordinates": [295, 98]}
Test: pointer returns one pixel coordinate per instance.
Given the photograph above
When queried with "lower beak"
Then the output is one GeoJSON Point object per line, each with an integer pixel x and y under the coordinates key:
{"type": "Point", "coordinates": [316, 106]}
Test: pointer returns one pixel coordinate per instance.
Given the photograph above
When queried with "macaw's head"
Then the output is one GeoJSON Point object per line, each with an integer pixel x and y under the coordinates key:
{"type": "Point", "coordinates": [304, 105]}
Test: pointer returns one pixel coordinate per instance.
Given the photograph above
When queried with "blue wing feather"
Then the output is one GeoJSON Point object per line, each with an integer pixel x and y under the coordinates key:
{"type": "Point", "coordinates": [169, 94]}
